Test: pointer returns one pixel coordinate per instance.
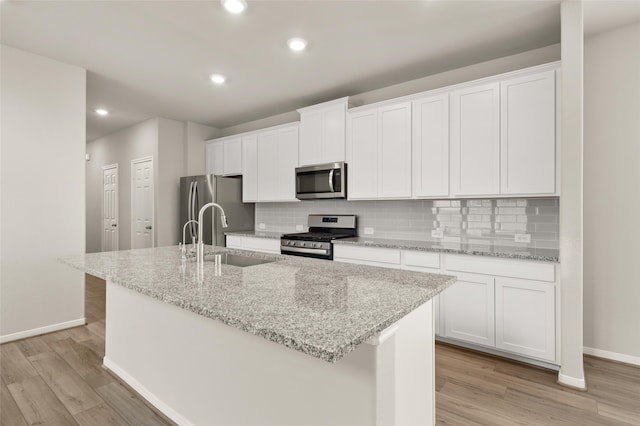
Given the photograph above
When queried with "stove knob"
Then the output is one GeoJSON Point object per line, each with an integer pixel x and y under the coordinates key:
{"type": "Point", "coordinates": [317, 245]}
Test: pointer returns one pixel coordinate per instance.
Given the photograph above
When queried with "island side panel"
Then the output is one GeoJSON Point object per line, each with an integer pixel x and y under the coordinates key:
{"type": "Point", "coordinates": [200, 371]}
{"type": "Point", "coordinates": [415, 368]}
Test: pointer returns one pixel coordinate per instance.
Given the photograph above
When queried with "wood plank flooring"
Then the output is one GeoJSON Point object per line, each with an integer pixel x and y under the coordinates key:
{"type": "Point", "coordinates": [58, 379]}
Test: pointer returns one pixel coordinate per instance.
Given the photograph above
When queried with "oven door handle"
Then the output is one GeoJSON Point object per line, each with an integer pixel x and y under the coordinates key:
{"type": "Point", "coordinates": [284, 249]}
{"type": "Point", "coordinates": [331, 172]}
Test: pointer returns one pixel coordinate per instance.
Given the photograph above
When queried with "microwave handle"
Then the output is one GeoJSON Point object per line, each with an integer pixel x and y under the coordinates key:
{"type": "Point", "coordinates": [331, 172]}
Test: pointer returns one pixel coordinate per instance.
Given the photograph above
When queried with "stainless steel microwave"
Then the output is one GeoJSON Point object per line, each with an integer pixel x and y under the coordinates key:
{"type": "Point", "coordinates": [321, 181]}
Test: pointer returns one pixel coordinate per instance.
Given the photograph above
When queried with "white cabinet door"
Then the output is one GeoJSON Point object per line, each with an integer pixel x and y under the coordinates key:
{"type": "Point", "coordinates": [277, 161]}
{"type": "Point", "coordinates": [215, 158]}
{"type": "Point", "coordinates": [268, 173]}
{"type": "Point", "coordinates": [468, 309]}
{"type": "Point", "coordinates": [334, 126]}
{"type": "Point", "coordinates": [525, 317]}
{"type": "Point", "coordinates": [475, 140]}
{"type": "Point", "coordinates": [362, 154]}
{"type": "Point", "coordinates": [224, 157]}
{"type": "Point", "coordinates": [250, 168]}
{"type": "Point", "coordinates": [394, 151]}
{"type": "Point", "coordinates": [287, 163]}
{"type": "Point", "coordinates": [322, 133]}
{"type": "Point", "coordinates": [232, 157]}
{"type": "Point", "coordinates": [310, 146]}
{"type": "Point", "coordinates": [431, 147]}
{"type": "Point", "coordinates": [528, 134]}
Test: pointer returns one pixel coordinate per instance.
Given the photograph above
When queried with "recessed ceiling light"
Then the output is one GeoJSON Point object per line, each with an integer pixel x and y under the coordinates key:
{"type": "Point", "coordinates": [218, 78]}
{"type": "Point", "coordinates": [234, 6]}
{"type": "Point", "coordinates": [297, 44]}
{"type": "Point", "coordinates": [101, 111]}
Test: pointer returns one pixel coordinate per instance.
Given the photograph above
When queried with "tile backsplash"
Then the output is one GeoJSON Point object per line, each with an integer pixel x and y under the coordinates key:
{"type": "Point", "coordinates": [485, 221]}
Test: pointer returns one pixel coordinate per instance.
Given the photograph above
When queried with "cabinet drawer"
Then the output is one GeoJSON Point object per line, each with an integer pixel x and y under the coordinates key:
{"type": "Point", "coordinates": [507, 268]}
{"type": "Point", "coordinates": [386, 256]}
{"type": "Point", "coordinates": [234, 241]}
{"type": "Point", "coordinates": [267, 245]}
{"type": "Point", "coordinates": [421, 259]}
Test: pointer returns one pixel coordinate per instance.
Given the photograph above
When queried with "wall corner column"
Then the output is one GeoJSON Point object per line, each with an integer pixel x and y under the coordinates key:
{"type": "Point", "coordinates": [571, 204]}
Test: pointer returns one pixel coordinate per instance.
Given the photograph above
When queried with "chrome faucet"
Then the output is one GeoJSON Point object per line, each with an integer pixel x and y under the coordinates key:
{"type": "Point", "coordinates": [183, 248]}
{"type": "Point", "coordinates": [223, 219]}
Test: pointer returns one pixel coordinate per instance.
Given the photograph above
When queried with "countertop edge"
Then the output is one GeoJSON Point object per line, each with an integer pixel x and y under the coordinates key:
{"type": "Point", "coordinates": [330, 356]}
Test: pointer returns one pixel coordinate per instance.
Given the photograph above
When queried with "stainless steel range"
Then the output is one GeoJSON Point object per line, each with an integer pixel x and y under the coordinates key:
{"type": "Point", "coordinates": [322, 230]}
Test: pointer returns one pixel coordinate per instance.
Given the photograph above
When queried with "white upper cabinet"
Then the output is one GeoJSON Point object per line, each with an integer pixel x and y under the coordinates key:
{"type": "Point", "coordinates": [430, 146]}
{"type": "Point", "coordinates": [475, 140]}
{"type": "Point", "coordinates": [224, 156]}
{"type": "Point", "coordinates": [528, 134]}
{"type": "Point", "coordinates": [250, 168]}
{"type": "Point", "coordinates": [322, 133]}
{"type": "Point", "coordinates": [277, 160]}
{"type": "Point", "coordinates": [379, 152]}
{"type": "Point", "coordinates": [362, 154]}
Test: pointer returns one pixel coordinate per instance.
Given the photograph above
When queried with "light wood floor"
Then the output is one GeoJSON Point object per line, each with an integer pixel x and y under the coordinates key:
{"type": "Point", "coordinates": [57, 379]}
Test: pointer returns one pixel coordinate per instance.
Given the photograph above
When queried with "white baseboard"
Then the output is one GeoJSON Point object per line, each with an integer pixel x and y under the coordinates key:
{"type": "Point", "coordinates": [572, 381]}
{"type": "Point", "coordinates": [146, 394]}
{"type": "Point", "coordinates": [614, 356]}
{"type": "Point", "coordinates": [42, 330]}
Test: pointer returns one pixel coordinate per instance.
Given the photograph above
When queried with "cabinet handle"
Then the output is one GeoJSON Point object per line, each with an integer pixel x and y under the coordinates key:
{"type": "Point", "coordinates": [147, 227]}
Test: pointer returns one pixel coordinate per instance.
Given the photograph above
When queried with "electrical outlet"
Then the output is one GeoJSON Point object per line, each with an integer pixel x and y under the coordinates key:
{"type": "Point", "coordinates": [299, 227]}
{"type": "Point", "coordinates": [262, 226]}
{"type": "Point", "coordinates": [368, 231]}
{"type": "Point", "coordinates": [522, 238]}
{"type": "Point", "coordinates": [437, 233]}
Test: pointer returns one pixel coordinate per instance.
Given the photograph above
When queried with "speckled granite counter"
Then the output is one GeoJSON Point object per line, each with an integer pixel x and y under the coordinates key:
{"type": "Point", "coordinates": [322, 308]}
{"type": "Point", "coordinates": [509, 252]}
{"type": "Point", "coordinates": [257, 234]}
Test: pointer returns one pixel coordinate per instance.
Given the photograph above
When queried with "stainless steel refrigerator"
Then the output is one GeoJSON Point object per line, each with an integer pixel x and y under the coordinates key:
{"type": "Point", "coordinates": [196, 191]}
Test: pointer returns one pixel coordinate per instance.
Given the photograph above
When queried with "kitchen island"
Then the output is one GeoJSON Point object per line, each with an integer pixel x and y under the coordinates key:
{"type": "Point", "coordinates": [289, 341]}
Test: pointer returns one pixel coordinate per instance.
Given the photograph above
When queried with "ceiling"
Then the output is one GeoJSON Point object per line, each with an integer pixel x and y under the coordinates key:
{"type": "Point", "coordinates": [153, 58]}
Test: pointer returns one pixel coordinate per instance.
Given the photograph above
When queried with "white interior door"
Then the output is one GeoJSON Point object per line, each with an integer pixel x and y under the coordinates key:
{"type": "Point", "coordinates": [142, 203]}
{"type": "Point", "coordinates": [110, 207]}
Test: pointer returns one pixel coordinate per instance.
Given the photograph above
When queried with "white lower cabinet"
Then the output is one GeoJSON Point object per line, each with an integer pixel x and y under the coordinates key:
{"type": "Point", "coordinates": [496, 303]}
{"type": "Point", "coordinates": [525, 317]}
{"type": "Point", "coordinates": [468, 309]}
{"type": "Point", "coordinates": [264, 245]}
{"type": "Point", "coordinates": [373, 256]}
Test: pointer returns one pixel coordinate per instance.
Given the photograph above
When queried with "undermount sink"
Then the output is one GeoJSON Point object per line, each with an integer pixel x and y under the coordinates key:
{"type": "Point", "coordinates": [242, 261]}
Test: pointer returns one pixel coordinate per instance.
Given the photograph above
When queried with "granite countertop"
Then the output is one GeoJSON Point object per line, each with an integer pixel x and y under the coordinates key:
{"type": "Point", "coordinates": [258, 234]}
{"type": "Point", "coordinates": [319, 307]}
{"type": "Point", "coordinates": [491, 249]}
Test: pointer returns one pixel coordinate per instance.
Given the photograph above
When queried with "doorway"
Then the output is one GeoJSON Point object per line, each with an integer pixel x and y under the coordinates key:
{"type": "Point", "coordinates": [142, 202]}
{"type": "Point", "coordinates": [110, 207]}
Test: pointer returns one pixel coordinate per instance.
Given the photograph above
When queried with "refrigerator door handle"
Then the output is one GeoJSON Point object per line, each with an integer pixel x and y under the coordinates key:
{"type": "Point", "coordinates": [189, 216]}
{"type": "Point", "coordinates": [195, 203]}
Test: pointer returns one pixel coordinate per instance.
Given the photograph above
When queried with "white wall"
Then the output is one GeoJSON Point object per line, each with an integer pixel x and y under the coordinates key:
{"type": "Point", "coordinates": [140, 140]}
{"type": "Point", "coordinates": [472, 72]}
{"type": "Point", "coordinates": [612, 194]}
{"type": "Point", "coordinates": [168, 169]}
{"type": "Point", "coordinates": [42, 194]}
{"type": "Point", "coordinates": [195, 148]}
